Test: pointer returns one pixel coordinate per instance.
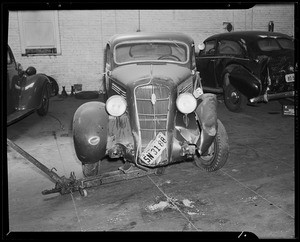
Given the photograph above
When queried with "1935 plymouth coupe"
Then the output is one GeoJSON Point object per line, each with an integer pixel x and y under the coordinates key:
{"type": "Point", "coordinates": [248, 67]}
{"type": "Point", "coordinates": [155, 113]}
{"type": "Point", "coordinates": [27, 91]}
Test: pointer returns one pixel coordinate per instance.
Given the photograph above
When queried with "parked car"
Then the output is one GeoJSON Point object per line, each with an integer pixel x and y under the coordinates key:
{"type": "Point", "coordinates": [26, 91]}
{"type": "Point", "coordinates": [247, 66]}
{"type": "Point", "coordinates": [155, 113]}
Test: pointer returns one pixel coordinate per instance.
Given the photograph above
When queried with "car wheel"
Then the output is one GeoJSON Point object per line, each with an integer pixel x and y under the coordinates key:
{"type": "Point", "coordinates": [43, 110]}
{"type": "Point", "coordinates": [234, 100]}
{"type": "Point", "coordinates": [54, 86]}
{"type": "Point", "coordinates": [217, 152]}
{"type": "Point", "coordinates": [160, 170]}
{"type": "Point", "coordinates": [90, 169]}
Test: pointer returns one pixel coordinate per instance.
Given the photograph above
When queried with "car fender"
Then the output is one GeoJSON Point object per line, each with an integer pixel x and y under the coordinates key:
{"type": "Point", "coordinates": [90, 128]}
{"type": "Point", "coordinates": [207, 115]}
{"type": "Point", "coordinates": [32, 88]}
{"type": "Point", "coordinates": [244, 81]}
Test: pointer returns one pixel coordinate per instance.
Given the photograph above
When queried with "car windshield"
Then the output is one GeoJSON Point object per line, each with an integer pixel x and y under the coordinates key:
{"type": "Point", "coordinates": [151, 51]}
{"type": "Point", "coordinates": [271, 44]}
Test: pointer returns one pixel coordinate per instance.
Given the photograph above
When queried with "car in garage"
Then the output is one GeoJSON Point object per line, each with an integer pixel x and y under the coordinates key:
{"type": "Point", "coordinates": [155, 113]}
{"type": "Point", "coordinates": [27, 91]}
{"type": "Point", "coordinates": [248, 67]}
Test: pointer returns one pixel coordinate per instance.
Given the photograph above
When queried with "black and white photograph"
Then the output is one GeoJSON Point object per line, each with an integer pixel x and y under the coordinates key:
{"type": "Point", "coordinates": [145, 119]}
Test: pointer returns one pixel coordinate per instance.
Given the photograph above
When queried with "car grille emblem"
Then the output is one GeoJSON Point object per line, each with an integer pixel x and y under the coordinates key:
{"type": "Point", "coordinates": [153, 98]}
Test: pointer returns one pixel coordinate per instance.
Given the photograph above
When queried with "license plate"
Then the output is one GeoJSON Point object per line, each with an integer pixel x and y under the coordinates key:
{"type": "Point", "coordinates": [154, 149]}
{"type": "Point", "coordinates": [290, 77]}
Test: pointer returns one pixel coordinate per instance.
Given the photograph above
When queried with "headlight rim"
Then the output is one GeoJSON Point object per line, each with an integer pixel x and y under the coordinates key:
{"type": "Point", "coordinates": [179, 97]}
{"type": "Point", "coordinates": [110, 111]}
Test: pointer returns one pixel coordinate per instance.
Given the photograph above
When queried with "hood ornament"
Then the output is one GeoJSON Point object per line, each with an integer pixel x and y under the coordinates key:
{"type": "Point", "coordinates": [153, 98]}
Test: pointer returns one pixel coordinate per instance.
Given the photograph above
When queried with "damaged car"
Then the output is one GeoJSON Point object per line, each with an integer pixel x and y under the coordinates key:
{"type": "Point", "coordinates": [248, 67]}
{"type": "Point", "coordinates": [27, 91]}
{"type": "Point", "coordinates": [155, 113]}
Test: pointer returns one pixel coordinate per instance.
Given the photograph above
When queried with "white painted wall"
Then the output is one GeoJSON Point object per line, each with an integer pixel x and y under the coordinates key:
{"type": "Point", "coordinates": [84, 33]}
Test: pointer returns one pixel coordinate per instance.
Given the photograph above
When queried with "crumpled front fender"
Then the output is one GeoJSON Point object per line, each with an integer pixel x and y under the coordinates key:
{"type": "Point", "coordinates": [90, 127]}
{"type": "Point", "coordinates": [207, 114]}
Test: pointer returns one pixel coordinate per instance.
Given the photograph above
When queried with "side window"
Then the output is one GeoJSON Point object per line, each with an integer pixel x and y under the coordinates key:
{"type": "Point", "coordinates": [210, 47]}
{"type": "Point", "coordinates": [229, 47]}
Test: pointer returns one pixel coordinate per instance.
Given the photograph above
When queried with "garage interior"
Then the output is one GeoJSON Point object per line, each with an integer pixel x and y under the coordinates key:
{"type": "Point", "coordinates": [254, 192]}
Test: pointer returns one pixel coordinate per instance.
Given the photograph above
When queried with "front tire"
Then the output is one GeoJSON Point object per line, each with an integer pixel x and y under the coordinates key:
{"type": "Point", "coordinates": [43, 110]}
{"type": "Point", "coordinates": [90, 169]}
{"type": "Point", "coordinates": [217, 152]}
{"type": "Point", "coordinates": [234, 100]}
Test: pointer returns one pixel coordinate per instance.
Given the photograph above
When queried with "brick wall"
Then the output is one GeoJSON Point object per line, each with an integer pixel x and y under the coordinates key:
{"type": "Point", "coordinates": [84, 33]}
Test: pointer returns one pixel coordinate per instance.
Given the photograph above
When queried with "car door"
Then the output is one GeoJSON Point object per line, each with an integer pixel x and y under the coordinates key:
{"type": "Point", "coordinates": [205, 62]}
{"type": "Point", "coordinates": [229, 51]}
{"type": "Point", "coordinates": [13, 80]}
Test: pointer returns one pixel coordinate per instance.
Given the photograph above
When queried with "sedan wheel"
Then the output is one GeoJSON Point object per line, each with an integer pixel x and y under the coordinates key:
{"type": "Point", "coordinates": [234, 100]}
{"type": "Point", "coordinates": [217, 152]}
{"type": "Point", "coordinates": [90, 169]}
{"type": "Point", "coordinates": [43, 110]}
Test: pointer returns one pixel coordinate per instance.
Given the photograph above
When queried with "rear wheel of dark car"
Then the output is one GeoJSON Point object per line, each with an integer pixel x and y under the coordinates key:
{"type": "Point", "coordinates": [90, 169]}
{"type": "Point", "coordinates": [54, 86]}
{"type": "Point", "coordinates": [234, 100]}
{"type": "Point", "coordinates": [43, 110]}
{"type": "Point", "coordinates": [217, 153]}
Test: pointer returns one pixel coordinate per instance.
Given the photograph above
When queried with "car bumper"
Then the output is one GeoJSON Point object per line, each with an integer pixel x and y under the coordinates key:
{"type": "Point", "coordinates": [268, 97]}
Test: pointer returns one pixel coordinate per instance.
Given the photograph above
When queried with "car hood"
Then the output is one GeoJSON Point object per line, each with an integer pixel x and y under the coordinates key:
{"type": "Point", "coordinates": [128, 74]}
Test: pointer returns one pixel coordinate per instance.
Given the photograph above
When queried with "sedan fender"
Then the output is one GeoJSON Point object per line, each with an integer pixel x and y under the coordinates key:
{"type": "Point", "coordinates": [32, 88]}
{"type": "Point", "coordinates": [90, 125]}
{"type": "Point", "coordinates": [207, 114]}
{"type": "Point", "coordinates": [248, 84]}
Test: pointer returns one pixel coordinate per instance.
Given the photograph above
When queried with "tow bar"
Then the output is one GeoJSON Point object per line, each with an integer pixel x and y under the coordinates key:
{"type": "Point", "coordinates": [65, 185]}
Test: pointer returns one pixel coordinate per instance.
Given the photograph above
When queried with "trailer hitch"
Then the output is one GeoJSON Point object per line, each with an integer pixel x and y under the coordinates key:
{"type": "Point", "coordinates": [65, 185]}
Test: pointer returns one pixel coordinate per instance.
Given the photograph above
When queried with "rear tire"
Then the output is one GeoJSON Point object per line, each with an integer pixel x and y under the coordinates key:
{"type": "Point", "coordinates": [217, 153]}
{"type": "Point", "coordinates": [43, 110]}
{"type": "Point", "coordinates": [54, 86]}
{"type": "Point", "coordinates": [234, 100]}
{"type": "Point", "coordinates": [90, 169]}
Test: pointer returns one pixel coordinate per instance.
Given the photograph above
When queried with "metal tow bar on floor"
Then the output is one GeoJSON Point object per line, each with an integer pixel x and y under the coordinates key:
{"type": "Point", "coordinates": [65, 185]}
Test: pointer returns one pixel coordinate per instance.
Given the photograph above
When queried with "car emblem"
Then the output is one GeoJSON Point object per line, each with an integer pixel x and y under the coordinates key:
{"type": "Point", "coordinates": [153, 98]}
{"type": "Point", "coordinates": [94, 140]}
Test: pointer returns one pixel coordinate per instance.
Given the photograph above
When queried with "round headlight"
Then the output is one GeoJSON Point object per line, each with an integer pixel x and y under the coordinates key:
{"type": "Point", "coordinates": [116, 105]}
{"type": "Point", "coordinates": [186, 103]}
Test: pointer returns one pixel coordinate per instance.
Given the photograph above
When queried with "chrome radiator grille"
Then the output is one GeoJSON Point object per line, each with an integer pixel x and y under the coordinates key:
{"type": "Point", "coordinates": [152, 103]}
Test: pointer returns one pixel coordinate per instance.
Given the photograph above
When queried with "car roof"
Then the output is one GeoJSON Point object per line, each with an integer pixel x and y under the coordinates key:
{"type": "Point", "coordinates": [139, 36]}
{"type": "Point", "coordinates": [248, 35]}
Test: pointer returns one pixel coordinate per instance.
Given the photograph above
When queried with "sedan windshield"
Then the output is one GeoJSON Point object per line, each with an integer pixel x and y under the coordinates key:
{"type": "Point", "coordinates": [151, 51]}
{"type": "Point", "coordinates": [271, 44]}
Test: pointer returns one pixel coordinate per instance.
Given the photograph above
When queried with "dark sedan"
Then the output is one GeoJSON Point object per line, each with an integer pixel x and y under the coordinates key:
{"type": "Point", "coordinates": [247, 66]}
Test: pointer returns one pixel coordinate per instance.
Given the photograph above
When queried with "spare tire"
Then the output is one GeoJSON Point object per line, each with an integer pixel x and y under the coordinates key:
{"type": "Point", "coordinates": [87, 95]}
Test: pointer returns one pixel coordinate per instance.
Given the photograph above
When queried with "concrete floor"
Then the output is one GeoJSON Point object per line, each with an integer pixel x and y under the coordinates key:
{"type": "Point", "coordinates": [253, 192]}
